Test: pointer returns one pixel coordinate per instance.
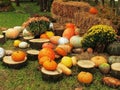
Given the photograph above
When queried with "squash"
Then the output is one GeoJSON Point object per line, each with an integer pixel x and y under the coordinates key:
{"type": "Point", "coordinates": [48, 45]}
{"type": "Point", "coordinates": [85, 77]}
{"type": "Point", "coordinates": [18, 56]}
{"type": "Point", "coordinates": [43, 59]}
{"type": "Point", "coordinates": [75, 41]}
{"type": "Point", "coordinates": [113, 59]}
{"type": "Point", "coordinates": [70, 25]}
{"type": "Point", "coordinates": [23, 45]}
{"type": "Point", "coordinates": [64, 69]}
{"type": "Point", "coordinates": [49, 33]}
{"type": "Point", "coordinates": [47, 52]}
{"type": "Point", "coordinates": [16, 43]}
{"type": "Point", "coordinates": [67, 61]}
{"type": "Point", "coordinates": [66, 47]}
{"type": "Point", "coordinates": [19, 28]}
{"type": "Point", "coordinates": [50, 65]}
{"type": "Point", "coordinates": [68, 33]}
{"type": "Point", "coordinates": [54, 39]}
{"type": "Point", "coordinates": [12, 33]}
{"type": "Point", "coordinates": [63, 40]}
{"type": "Point", "coordinates": [74, 60]}
{"type": "Point", "coordinates": [114, 48]}
{"type": "Point", "coordinates": [111, 81]}
{"type": "Point", "coordinates": [98, 60]}
{"type": "Point", "coordinates": [60, 51]}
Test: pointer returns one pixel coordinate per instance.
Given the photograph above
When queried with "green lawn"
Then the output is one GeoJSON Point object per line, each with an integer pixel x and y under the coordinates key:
{"type": "Point", "coordinates": [29, 78]}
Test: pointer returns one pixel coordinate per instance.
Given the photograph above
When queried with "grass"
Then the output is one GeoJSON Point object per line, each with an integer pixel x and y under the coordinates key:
{"type": "Point", "coordinates": [29, 78]}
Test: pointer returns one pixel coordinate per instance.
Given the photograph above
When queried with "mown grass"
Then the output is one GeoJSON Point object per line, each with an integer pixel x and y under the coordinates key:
{"type": "Point", "coordinates": [29, 78]}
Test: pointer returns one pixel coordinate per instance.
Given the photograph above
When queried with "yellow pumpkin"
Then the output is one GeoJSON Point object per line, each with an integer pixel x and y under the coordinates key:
{"type": "Point", "coordinates": [98, 60]}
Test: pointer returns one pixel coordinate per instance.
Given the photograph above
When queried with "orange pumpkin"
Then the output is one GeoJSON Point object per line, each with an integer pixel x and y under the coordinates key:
{"type": "Point", "coordinates": [60, 51]}
{"type": "Point", "coordinates": [44, 36]}
{"type": "Point", "coordinates": [48, 45]}
{"type": "Point", "coordinates": [46, 52]}
{"type": "Point", "coordinates": [43, 59]}
{"type": "Point", "coordinates": [85, 77]}
{"type": "Point", "coordinates": [18, 56]}
{"type": "Point", "coordinates": [70, 25]}
{"type": "Point", "coordinates": [98, 60]}
{"type": "Point", "coordinates": [50, 65]}
{"type": "Point", "coordinates": [54, 39]}
{"type": "Point", "coordinates": [93, 10]}
{"type": "Point", "coordinates": [68, 33]}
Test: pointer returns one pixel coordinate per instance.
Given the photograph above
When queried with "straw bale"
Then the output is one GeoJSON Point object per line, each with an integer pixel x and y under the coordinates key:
{"type": "Point", "coordinates": [67, 9]}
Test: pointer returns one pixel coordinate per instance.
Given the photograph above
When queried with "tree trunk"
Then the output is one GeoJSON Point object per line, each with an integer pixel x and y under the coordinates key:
{"type": "Point", "coordinates": [118, 8]}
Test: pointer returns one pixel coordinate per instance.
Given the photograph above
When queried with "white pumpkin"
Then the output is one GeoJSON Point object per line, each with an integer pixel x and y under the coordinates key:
{"type": "Point", "coordinates": [12, 33]}
{"type": "Point", "coordinates": [23, 45]}
{"type": "Point", "coordinates": [76, 41]}
{"type": "Point", "coordinates": [26, 33]}
{"type": "Point", "coordinates": [63, 40]}
{"type": "Point", "coordinates": [19, 28]}
{"type": "Point", "coordinates": [2, 52]}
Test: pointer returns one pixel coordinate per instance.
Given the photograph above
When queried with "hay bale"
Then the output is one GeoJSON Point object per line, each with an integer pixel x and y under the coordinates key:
{"type": "Point", "coordinates": [77, 13]}
{"type": "Point", "coordinates": [84, 21]}
{"type": "Point", "coordinates": [67, 9]}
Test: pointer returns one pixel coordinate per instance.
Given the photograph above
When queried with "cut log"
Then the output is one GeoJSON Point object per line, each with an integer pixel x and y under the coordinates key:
{"type": "Point", "coordinates": [2, 39]}
{"type": "Point", "coordinates": [115, 70]}
{"type": "Point", "coordinates": [86, 65]}
{"type": "Point", "coordinates": [37, 43]}
{"type": "Point", "coordinates": [28, 38]}
{"type": "Point", "coordinates": [32, 54]}
{"type": "Point", "coordinates": [8, 52]}
{"type": "Point", "coordinates": [51, 75]}
{"type": "Point", "coordinates": [7, 61]}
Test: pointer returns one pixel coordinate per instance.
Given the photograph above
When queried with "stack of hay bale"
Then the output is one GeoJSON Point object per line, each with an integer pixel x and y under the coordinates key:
{"type": "Point", "coordinates": [77, 13]}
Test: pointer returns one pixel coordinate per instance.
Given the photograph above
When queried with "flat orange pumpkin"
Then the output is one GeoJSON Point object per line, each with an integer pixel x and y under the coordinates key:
{"type": "Point", "coordinates": [18, 56]}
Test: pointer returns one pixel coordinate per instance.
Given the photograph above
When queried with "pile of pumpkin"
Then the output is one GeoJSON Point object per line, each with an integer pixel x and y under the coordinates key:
{"type": "Point", "coordinates": [60, 47]}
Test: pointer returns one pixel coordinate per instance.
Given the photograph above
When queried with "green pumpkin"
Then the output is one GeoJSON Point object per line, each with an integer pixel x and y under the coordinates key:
{"type": "Point", "coordinates": [114, 59]}
{"type": "Point", "coordinates": [114, 48]}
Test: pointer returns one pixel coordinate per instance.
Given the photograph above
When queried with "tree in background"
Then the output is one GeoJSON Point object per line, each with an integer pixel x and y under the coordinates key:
{"type": "Point", "coordinates": [5, 5]}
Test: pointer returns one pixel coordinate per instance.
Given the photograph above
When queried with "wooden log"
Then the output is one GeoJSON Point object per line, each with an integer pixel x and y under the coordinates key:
{"type": "Point", "coordinates": [51, 75]}
{"type": "Point", "coordinates": [2, 39]}
{"type": "Point", "coordinates": [32, 54]}
{"type": "Point", "coordinates": [7, 61]}
{"type": "Point", "coordinates": [115, 70]}
{"type": "Point", "coordinates": [86, 65]}
{"type": "Point", "coordinates": [37, 43]}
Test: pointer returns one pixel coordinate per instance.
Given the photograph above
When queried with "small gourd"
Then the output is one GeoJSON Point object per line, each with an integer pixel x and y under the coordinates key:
{"type": "Point", "coordinates": [23, 45]}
